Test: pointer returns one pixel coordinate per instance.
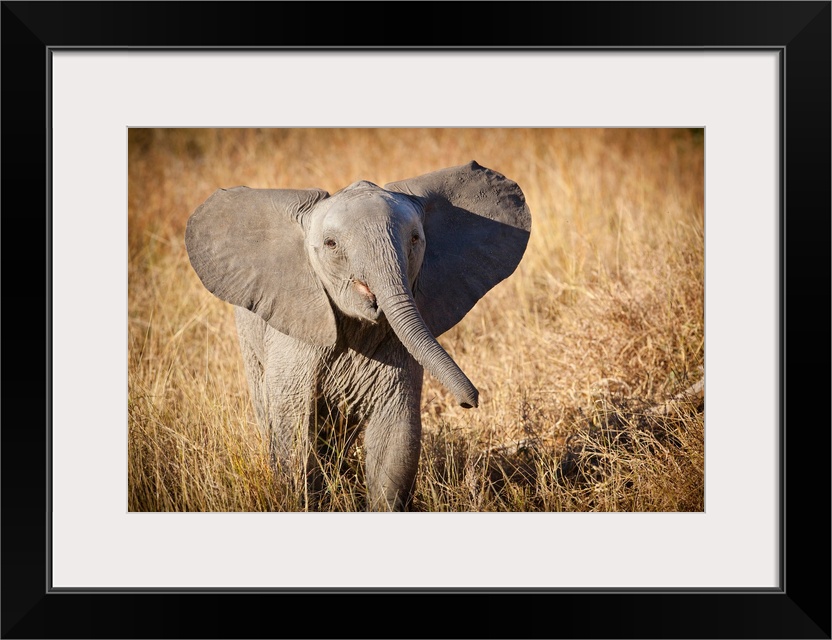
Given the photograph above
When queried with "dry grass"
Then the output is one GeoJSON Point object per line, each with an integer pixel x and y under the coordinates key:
{"type": "Point", "coordinates": [575, 355]}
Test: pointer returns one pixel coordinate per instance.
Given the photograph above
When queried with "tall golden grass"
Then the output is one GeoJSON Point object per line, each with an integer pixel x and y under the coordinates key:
{"type": "Point", "coordinates": [586, 358]}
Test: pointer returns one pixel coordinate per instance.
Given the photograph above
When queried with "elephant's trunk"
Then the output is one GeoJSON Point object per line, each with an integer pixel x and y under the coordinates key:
{"type": "Point", "coordinates": [398, 306]}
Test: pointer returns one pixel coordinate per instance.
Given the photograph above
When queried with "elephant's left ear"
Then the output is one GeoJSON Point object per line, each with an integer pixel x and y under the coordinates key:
{"type": "Point", "coordinates": [477, 227]}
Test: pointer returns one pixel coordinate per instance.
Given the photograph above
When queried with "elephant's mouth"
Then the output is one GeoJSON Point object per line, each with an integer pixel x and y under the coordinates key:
{"type": "Point", "coordinates": [368, 298]}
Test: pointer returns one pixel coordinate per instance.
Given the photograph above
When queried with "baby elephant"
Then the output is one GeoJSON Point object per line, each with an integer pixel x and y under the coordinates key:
{"type": "Point", "coordinates": [339, 299]}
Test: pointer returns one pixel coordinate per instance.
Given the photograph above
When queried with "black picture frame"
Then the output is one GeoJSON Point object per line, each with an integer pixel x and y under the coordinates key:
{"type": "Point", "coordinates": [800, 608]}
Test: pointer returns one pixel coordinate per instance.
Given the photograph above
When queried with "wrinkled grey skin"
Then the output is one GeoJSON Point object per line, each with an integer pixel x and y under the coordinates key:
{"type": "Point", "coordinates": [339, 299]}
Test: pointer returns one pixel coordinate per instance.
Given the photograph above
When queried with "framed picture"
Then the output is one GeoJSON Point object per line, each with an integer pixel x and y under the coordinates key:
{"type": "Point", "coordinates": [749, 82]}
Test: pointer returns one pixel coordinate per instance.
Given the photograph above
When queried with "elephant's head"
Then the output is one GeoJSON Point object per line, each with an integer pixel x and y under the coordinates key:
{"type": "Point", "coordinates": [420, 251]}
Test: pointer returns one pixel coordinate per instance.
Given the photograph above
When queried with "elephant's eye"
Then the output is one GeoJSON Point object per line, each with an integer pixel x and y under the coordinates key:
{"type": "Point", "coordinates": [414, 239]}
{"type": "Point", "coordinates": [329, 243]}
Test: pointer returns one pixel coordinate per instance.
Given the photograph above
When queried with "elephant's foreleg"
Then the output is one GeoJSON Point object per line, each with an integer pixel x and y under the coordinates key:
{"type": "Point", "coordinates": [289, 383]}
{"type": "Point", "coordinates": [392, 441]}
{"type": "Point", "coordinates": [256, 376]}
{"type": "Point", "coordinates": [290, 425]}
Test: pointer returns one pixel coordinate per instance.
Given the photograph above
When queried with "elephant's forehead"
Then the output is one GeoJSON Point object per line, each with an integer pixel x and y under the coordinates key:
{"type": "Point", "coordinates": [364, 199]}
{"type": "Point", "coordinates": [361, 185]}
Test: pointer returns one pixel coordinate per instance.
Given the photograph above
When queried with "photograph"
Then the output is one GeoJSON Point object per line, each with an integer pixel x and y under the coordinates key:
{"type": "Point", "coordinates": [416, 319]}
{"type": "Point", "coordinates": [344, 312]}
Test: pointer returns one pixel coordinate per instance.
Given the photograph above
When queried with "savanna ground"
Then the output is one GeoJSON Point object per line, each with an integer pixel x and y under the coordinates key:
{"type": "Point", "coordinates": [589, 358]}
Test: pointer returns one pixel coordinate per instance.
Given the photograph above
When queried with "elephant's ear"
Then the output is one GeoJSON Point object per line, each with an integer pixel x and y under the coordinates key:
{"type": "Point", "coordinates": [247, 247]}
{"type": "Point", "coordinates": [477, 226]}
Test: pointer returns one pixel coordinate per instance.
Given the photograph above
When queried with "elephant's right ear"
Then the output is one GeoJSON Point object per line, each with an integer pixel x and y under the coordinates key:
{"type": "Point", "coordinates": [247, 247]}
